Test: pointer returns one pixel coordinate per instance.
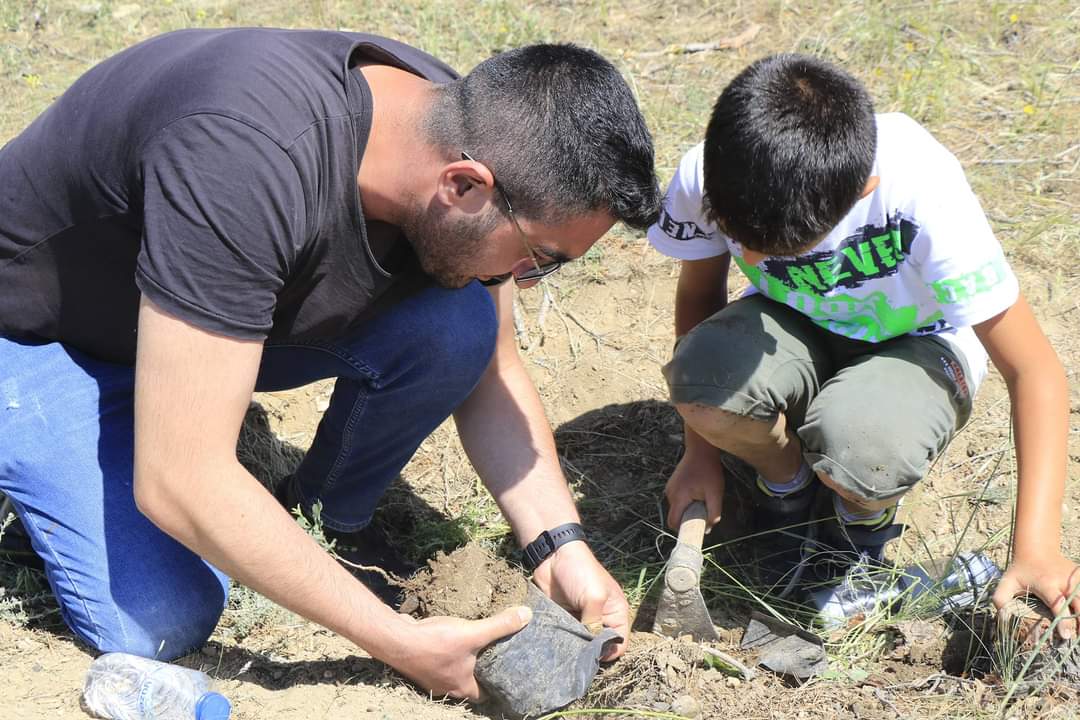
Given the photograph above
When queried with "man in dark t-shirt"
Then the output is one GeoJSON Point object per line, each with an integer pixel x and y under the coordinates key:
{"type": "Point", "coordinates": [212, 212]}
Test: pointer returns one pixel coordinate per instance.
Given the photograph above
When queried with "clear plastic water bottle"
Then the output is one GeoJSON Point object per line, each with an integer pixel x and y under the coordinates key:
{"type": "Point", "coordinates": [936, 587]}
{"type": "Point", "coordinates": [128, 687]}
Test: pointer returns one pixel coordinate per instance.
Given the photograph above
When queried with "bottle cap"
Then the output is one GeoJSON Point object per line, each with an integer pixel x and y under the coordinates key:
{"type": "Point", "coordinates": [213, 706]}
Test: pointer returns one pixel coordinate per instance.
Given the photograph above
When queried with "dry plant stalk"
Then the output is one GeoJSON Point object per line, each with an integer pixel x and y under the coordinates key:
{"type": "Point", "coordinates": [733, 42]}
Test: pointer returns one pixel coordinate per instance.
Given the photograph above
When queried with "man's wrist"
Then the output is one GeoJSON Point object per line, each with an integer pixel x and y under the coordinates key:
{"type": "Point", "coordinates": [550, 541]}
{"type": "Point", "coordinates": [386, 636]}
{"type": "Point", "coordinates": [573, 550]}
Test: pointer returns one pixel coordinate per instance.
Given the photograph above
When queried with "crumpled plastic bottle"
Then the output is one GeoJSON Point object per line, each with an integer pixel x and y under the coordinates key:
{"type": "Point", "coordinates": [120, 686]}
{"type": "Point", "coordinates": [938, 586]}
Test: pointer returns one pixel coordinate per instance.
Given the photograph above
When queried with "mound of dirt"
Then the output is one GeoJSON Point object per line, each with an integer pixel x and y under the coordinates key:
{"type": "Point", "coordinates": [468, 583]}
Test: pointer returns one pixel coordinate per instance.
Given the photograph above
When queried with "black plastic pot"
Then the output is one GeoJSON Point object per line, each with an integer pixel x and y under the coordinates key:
{"type": "Point", "coordinates": [545, 666]}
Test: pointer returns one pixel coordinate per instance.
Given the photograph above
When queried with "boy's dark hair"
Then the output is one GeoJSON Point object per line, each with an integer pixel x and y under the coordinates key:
{"type": "Point", "coordinates": [559, 129]}
{"type": "Point", "coordinates": [789, 148]}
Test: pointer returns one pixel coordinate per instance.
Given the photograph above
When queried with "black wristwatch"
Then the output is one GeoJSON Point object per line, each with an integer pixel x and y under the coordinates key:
{"type": "Point", "coordinates": [548, 542]}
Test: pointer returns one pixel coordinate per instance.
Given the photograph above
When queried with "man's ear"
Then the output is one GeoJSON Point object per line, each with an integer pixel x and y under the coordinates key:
{"type": "Point", "coordinates": [466, 185]}
{"type": "Point", "coordinates": [871, 185]}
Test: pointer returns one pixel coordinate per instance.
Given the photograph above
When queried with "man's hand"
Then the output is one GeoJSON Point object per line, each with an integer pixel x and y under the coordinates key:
{"type": "Point", "coordinates": [574, 578]}
{"type": "Point", "coordinates": [698, 476]}
{"type": "Point", "coordinates": [1054, 579]}
{"type": "Point", "coordinates": [441, 651]}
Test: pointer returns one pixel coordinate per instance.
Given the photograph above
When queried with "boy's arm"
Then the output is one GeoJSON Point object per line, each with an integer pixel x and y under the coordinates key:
{"type": "Point", "coordinates": [1039, 395]}
{"type": "Point", "coordinates": [702, 292]}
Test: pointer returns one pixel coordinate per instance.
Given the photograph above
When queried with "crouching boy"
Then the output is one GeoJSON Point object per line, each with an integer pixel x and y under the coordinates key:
{"type": "Point", "coordinates": [877, 290]}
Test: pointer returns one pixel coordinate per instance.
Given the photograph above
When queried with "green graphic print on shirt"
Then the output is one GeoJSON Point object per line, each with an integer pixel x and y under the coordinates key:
{"type": "Point", "coordinates": [808, 283]}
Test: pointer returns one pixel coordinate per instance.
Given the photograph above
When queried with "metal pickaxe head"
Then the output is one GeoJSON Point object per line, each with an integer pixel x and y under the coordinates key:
{"type": "Point", "coordinates": [681, 609]}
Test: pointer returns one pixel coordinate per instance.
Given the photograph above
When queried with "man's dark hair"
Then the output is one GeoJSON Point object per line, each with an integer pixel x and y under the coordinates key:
{"type": "Point", "coordinates": [789, 148]}
{"type": "Point", "coordinates": [559, 129]}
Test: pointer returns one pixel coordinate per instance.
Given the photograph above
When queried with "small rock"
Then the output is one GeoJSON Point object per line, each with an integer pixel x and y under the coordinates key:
{"type": "Point", "coordinates": [686, 706]}
{"type": "Point", "coordinates": [733, 682]}
{"type": "Point", "coordinates": [678, 664]}
{"type": "Point", "coordinates": [924, 641]}
{"type": "Point", "coordinates": [409, 605]}
{"type": "Point", "coordinates": [671, 660]}
{"type": "Point", "coordinates": [861, 709]}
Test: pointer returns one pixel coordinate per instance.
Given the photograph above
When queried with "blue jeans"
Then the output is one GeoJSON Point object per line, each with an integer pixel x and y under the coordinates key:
{"type": "Point", "coordinates": [66, 447]}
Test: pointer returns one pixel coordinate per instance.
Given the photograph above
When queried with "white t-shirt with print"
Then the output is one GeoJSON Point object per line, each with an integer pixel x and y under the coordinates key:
{"type": "Point", "coordinates": [916, 256]}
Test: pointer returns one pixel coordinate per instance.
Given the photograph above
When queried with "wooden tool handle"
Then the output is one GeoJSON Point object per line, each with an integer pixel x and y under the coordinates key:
{"type": "Point", "coordinates": [684, 566]}
{"type": "Point", "coordinates": [692, 527]}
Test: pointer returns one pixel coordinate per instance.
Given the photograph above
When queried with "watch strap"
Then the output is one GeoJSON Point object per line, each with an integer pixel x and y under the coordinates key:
{"type": "Point", "coordinates": [548, 542]}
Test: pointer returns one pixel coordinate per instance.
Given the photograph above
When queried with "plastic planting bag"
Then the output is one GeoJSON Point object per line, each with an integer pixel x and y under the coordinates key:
{"type": "Point", "coordinates": [548, 664]}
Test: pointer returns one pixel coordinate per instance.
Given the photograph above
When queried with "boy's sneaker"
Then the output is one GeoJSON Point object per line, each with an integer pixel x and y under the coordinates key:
{"type": "Point", "coordinates": [782, 530]}
{"type": "Point", "coordinates": [367, 547]}
{"type": "Point", "coordinates": [854, 546]}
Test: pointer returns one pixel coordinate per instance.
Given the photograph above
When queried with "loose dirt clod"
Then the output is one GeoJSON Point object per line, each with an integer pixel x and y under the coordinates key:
{"type": "Point", "coordinates": [468, 583]}
{"type": "Point", "coordinates": [920, 642]}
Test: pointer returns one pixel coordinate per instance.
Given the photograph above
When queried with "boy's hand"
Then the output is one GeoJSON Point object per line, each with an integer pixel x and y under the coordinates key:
{"type": "Point", "coordinates": [696, 477]}
{"type": "Point", "coordinates": [1040, 403]}
{"type": "Point", "coordinates": [1054, 579]}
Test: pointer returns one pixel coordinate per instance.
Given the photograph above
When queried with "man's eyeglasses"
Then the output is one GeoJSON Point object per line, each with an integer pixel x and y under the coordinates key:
{"type": "Point", "coordinates": [539, 271]}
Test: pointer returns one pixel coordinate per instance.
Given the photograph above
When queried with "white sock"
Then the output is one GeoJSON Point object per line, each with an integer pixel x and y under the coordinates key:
{"type": "Point", "coordinates": [802, 478]}
{"type": "Point", "coordinates": [862, 518]}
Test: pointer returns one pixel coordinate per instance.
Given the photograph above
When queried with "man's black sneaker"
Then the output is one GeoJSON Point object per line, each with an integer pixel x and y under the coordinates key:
{"type": "Point", "coordinates": [15, 543]}
{"type": "Point", "coordinates": [367, 548]}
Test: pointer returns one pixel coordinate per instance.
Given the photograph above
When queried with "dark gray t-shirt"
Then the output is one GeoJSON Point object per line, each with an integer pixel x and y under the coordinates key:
{"type": "Point", "coordinates": [213, 171]}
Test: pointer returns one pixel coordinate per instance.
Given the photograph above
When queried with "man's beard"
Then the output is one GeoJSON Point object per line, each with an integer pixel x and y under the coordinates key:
{"type": "Point", "coordinates": [448, 250]}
